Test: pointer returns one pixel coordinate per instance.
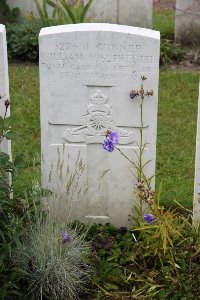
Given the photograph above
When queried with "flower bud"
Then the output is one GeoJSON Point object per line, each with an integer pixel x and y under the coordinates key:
{"type": "Point", "coordinates": [141, 195]}
{"type": "Point", "coordinates": [151, 192]}
{"type": "Point", "coordinates": [143, 77]}
{"type": "Point", "coordinates": [150, 201]}
{"type": "Point", "coordinates": [108, 132]}
{"type": "Point", "coordinates": [7, 103]}
{"type": "Point", "coordinates": [133, 94]}
{"type": "Point", "coordinates": [140, 184]}
{"type": "Point", "coordinates": [149, 93]}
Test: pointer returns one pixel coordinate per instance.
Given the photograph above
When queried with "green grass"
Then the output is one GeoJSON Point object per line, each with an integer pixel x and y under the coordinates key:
{"type": "Point", "coordinates": [164, 21]}
{"type": "Point", "coordinates": [24, 93]}
{"type": "Point", "coordinates": [177, 119]}
{"type": "Point", "coordinates": [178, 94]}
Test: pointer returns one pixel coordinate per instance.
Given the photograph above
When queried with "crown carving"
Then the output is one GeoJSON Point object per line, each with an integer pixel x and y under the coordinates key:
{"type": "Point", "coordinates": [99, 98]}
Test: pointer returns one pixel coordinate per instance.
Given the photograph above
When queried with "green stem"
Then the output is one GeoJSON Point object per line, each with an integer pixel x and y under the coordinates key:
{"type": "Point", "coordinates": [141, 142]}
{"type": "Point", "coordinates": [127, 158]}
{"type": "Point", "coordinates": [2, 128]}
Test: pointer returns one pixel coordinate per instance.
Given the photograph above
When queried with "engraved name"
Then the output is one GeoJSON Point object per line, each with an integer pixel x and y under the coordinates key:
{"type": "Point", "coordinates": [102, 60]}
{"type": "Point", "coordinates": [101, 46]}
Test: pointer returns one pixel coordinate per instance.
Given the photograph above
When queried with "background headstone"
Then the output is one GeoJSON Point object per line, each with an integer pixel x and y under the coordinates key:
{"type": "Point", "coordinates": [4, 84]}
{"type": "Point", "coordinates": [136, 13]}
{"type": "Point", "coordinates": [187, 28]}
{"type": "Point", "coordinates": [27, 7]}
{"type": "Point", "coordinates": [104, 11]}
{"type": "Point", "coordinates": [126, 12]}
{"type": "Point", "coordinates": [86, 74]}
{"type": "Point", "coordinates": [196, 206]}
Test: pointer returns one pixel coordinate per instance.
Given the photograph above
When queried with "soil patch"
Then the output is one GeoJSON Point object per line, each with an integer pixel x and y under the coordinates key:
{"type": "Point", "coordinates": [164, 4]}
{"type": "Point", "coordinates": [190, 62]}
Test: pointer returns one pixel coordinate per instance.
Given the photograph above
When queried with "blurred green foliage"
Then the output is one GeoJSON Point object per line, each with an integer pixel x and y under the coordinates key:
{"type": "Point", "coordinates": [8, 15]}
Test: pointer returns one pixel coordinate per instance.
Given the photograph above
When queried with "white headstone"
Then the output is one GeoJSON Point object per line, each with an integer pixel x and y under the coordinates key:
{"type": "Point", "coordinates": [86, 74]}
{"type": "Point", "coordinates": [126, 12]}
{"type": "Point", "coordinates": [196, 206]}
{"type": "Point", "coordinates": [4, 84]}
{"type": "Point", "coordinates": [187, 28]}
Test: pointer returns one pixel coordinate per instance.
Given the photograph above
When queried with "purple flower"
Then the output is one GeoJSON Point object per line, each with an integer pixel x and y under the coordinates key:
{"type": "Point", "coordinates": [133, 94]}
{"type": "Point", "coordinates": [113, 137]}
{"type": "Point", "coordinates": [149, 218]}
{"type": "Point", "coordinates": [108, 145]}
{"type": "Point", "coordinates": [66, 237]}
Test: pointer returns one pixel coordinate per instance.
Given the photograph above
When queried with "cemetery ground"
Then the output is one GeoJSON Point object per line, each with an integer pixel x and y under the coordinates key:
{"type": "Point", "coordinates": [164, 21]}
{"type": "Point", "coordinates": [177, 115]}
{"type": "Point", "coordinates": [154, 263]}
{"type": "Point", "coordinates": [159, 261]}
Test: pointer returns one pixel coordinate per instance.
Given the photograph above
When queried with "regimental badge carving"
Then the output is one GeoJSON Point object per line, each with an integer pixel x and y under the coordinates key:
{"type": "Point", "coordinates": [99, 98]}
{"type": "Point", "coordinates": [97, 120]}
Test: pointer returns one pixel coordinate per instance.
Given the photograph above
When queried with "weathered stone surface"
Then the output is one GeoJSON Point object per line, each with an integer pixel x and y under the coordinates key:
{"type": "Point", "coordinates": [196, 206]}
{"type": "Point", "coordinates": [136, 13]}
{"type": "Point", "coordinates": [104, 11]}
{"type": "Point", "coordinates": [126, 12]}
{"type": "Point", "coordinates": [4, 84]}
{"type": "Point", "coordinates": [86, 74]}
{"type": "Point", "coordinates": [187, 29]}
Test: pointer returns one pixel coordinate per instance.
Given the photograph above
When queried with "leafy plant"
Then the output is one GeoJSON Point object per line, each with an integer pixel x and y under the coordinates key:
{"type": "Point", "coordinates": [13, 211]}
{"type": "Point", "coordinates": [169, 51]}
{"type": "Point", "coordinates": [133, 265]}
{"type": "Point", "coordinates": [8, 15]}
{"type": "Point", "coordinates": [11, 224]}
{"type": "Point", "coordinates": [53, 256]}
{"type": "Point", "coordinates": [63, 12]}
{"type": "Point", "coordinates": [161, 239]}
{"type": "Point", "coordinates": [22, 41]}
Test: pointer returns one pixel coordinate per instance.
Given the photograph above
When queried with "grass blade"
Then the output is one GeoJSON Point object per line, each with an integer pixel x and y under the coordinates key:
{"type": "Point", "coordinates": [69, 11]}
{"type": "Point", "coordinates": [85, 10]}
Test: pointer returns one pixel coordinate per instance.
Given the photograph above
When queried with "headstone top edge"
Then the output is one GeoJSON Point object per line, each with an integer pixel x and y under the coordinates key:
{"type": "Point", "coordinates": [106, 27]}
{"type": "Point", "coordinates": [2, 28]}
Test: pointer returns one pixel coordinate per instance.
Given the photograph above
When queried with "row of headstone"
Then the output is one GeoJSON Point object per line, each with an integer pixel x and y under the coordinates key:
{"type": "Point", "coordinates": [126, 12]}
{"type": "Point", "coordinates": [187, 29]}
{"type": "Point", "coordinates": [5, 145]}
{"type": "Point", "coordinates": [133, 13]}
{"type": "Point", "coordinates": [86, 74]}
